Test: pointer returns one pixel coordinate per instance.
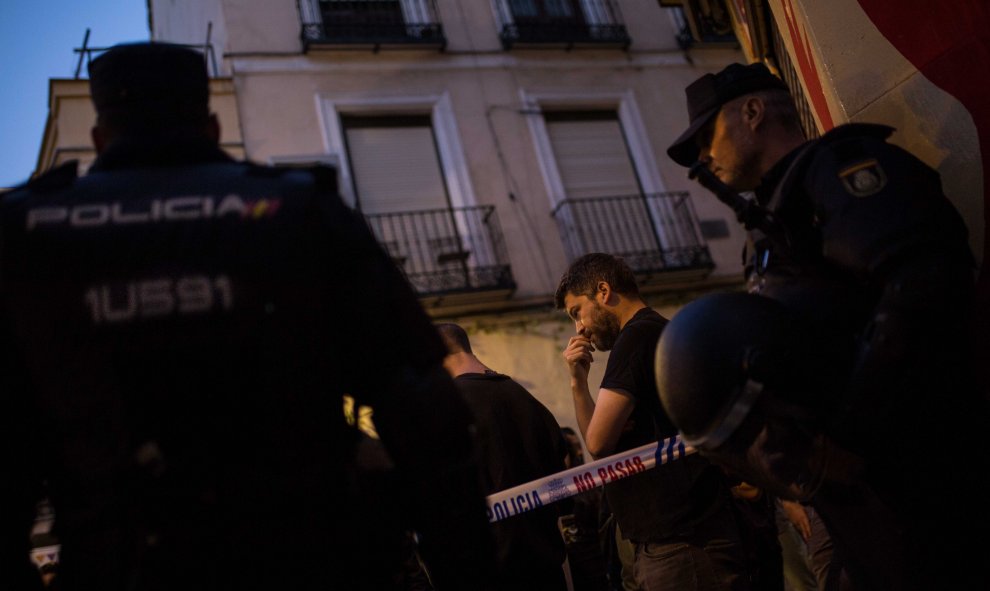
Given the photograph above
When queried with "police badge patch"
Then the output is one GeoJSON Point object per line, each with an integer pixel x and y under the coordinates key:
{"type": "Point", "coordinates": [864, 178]}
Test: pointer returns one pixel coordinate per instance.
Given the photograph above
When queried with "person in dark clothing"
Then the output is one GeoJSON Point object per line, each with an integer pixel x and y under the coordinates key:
{"type": "Point", "coordinates": [678, 514]}
{"type": "Point", "coordinates": [809, 564]}
{"type": "Point", "coordinates": [844, 379]}
{"type": "Point", "coordinates": [755, 509]}
{"type": "Point", "coordinates": [518, 441]}
{"type": "Point", "coordinates": [581, 525]}
{"type": "Point", "coordinates": [178, 330]}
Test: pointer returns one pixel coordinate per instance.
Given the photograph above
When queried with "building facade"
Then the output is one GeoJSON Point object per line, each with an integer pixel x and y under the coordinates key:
{"type": "Point", "coordinates": [487, 143]}
{"type": "Point", "coordinates": [490, 142]}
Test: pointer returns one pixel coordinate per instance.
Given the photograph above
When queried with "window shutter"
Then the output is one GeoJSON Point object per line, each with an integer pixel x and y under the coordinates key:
{"type": "Point", "coordinates": [395, 169]}
{"type": "Point", "coordinates": [592, 158]}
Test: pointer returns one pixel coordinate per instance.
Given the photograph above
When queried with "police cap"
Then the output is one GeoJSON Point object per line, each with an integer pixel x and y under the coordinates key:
{"type": "Point", "coordinates": [150, 77]}
{"type": "Point", "coordinates": [706, 95]}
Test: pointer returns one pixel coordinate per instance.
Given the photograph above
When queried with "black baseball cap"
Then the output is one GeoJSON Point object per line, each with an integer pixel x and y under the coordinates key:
{"type": "Point", "coordinates": [706, 95]}
{"type": "Point", "coordinates": [146, 76]}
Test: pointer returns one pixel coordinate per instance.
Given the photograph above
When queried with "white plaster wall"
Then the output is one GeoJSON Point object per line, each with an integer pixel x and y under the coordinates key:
{"type": "Point", "coordinates": [75, 120]}
{"type": "Point", "coordinates": [67, 132]}
{"type": "Point", "coordinates": [186, 22]}
{"type": "Point", "coordinates": [262, 27]}
{"type": "Point", "coordinates": [238, 26]}
{"type": "Point", "coordinates": [469, 26]}
{"type": "Point", "coordinates": [649, 28]}
{"type": "Point", "coordinates": [223, 103]}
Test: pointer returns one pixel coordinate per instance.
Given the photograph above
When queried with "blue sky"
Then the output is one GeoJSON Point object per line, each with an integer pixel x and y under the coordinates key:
{"type": "Point", "coordinates": [37, 38]}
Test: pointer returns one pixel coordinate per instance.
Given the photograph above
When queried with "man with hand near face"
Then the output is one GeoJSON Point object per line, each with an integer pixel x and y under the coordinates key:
{"type": "Point", "coordinates": [677, 514]}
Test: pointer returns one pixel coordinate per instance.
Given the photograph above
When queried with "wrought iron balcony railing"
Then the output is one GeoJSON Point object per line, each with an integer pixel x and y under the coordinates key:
{"type": "Point", "coordinates": [654, 234]}
{"type": "Point", "coordinates": [561, 23]}
{"type": "Point", "coordinates": [371, 23]}
{"type": "Point", "coordinates": [446, 251]}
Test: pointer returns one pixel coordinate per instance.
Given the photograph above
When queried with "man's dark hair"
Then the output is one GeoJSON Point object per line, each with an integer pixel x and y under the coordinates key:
{"type": "Point", "coordinates": [584, 274]}
{"type": "Point", "coordinates": [454, 337]}
{"type": "Point", "coordinates": [568, 431]}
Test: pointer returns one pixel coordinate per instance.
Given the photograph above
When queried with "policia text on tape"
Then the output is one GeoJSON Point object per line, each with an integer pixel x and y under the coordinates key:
{"type": "Point", "coordinates": [552, 488]}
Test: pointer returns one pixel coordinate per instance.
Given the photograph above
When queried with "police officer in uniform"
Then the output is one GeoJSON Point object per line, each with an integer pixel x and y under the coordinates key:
{"type": "Point", "coordinates": [178, 330]}
{"type": "Point", "coordinates": [844, 378]}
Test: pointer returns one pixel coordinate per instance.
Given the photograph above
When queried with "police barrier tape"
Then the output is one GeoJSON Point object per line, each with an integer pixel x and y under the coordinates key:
{"type": "Point", "coordinates": [562, 485]}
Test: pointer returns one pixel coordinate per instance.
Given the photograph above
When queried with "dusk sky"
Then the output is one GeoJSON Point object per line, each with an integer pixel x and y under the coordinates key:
{"type": "Point", "coordinates": [37, 40]}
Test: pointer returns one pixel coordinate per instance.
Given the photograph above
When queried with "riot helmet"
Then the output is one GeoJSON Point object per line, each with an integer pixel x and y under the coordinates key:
{"type": "Point", "coordinates": [738, 375]}
{"type": "Point", "coordinates": [715, 358]}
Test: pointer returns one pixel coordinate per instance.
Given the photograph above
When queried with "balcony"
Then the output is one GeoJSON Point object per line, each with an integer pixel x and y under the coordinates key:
{"type": "Point", "coordinates": [560, 23]}
{"type": "Point", "coordinates": [374, 24]}
{"type": "Point", "coordinates": [449, 256]}
{"type": "Point", "coordinates": [657, 235]}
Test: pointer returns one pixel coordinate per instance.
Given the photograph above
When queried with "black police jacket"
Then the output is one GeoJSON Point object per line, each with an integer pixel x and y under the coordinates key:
{"type": "Point", "coordinates": [177, 330]}
{"type": "Point", "coordinates": [874, 255]}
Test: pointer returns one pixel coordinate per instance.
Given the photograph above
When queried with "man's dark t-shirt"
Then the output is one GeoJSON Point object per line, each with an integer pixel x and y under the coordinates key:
{"type": "Point", "coordinates": [668, 500]}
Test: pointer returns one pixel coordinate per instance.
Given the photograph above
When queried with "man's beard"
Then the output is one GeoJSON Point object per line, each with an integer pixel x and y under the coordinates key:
{"type": "Point", "coordinates": [604, 328]}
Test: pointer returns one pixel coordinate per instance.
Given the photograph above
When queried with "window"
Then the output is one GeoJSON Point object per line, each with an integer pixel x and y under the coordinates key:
{"type": "Point", "coordinates": [395, 170]}
{"type": "Point", "coordinates": [591, 154]}
{"type": "Point", "coordinates": [400, 186]}
{"type": "Point", "coordinates": [560, 22]}
{"type": "Point", "coordinates": [371, 22]}
{"type": "Point", "coordinates": [394, 164]}
{"type": "Point", "coordinates": [604, 207]}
